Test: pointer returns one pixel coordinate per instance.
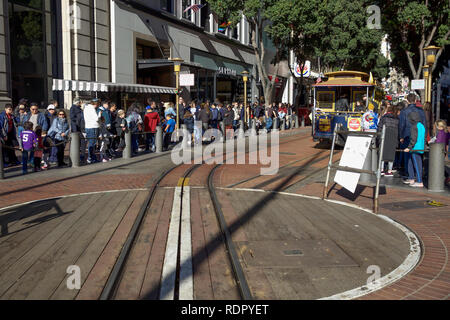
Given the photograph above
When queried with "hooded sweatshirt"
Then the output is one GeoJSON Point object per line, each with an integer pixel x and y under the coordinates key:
{"type": "Point", "coordinates": [417, 135]}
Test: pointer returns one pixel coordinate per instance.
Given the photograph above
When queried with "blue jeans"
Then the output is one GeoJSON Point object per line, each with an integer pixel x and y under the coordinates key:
{"type": "Point", "coordinates": [269, 124]}
{"type": "Point", "coordinates": [134, 143]}
{"type": "Point", "coordinates": [92, 135]}
{"type": "Point", "coordinates": [26, 155]}
{"type": "Point", "coordinates": [415, 167]}
{"type": "Point", "coordinates": [149, 141]}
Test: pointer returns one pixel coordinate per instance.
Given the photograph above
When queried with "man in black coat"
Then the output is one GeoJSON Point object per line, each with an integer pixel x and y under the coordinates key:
{"type": "Point", "coordinates": [77, 125]}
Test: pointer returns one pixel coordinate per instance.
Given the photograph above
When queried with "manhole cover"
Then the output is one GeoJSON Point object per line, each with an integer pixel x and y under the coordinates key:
{"type": "Point", "coordinates": [410, 205]}
{"type": "Point", "coordinates": [294, 254]}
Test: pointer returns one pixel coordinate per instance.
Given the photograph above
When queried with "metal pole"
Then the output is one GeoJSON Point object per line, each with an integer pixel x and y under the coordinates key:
{"type": "Point", "coordinates": [159, 139]}
{"type": "Point", "coordinates": [365, 178]}
{"type": "Point", "coordinates": [241, 133]}
{"type": "Point", "coordinates": [436, 167]}
{"type": "Point", "coordinates": [283, 124]}
{"type": "Point", "coordinates": [330, 163]}
{"type": "Point", "coordinates": [128, 147]}
{"type": "Point", "coordinates": [303, 121]}
{"type": "Point", "coordinates": [177, 98]}
{"type": "Point", "coordinates": [245, 100]}
{"type": "Point", "coordinates": [296, 121]}
{"type": "Point", "coordinates": [380, 163]}
{"type": "Point", "coordinates": [2, 174]}
{"type": "Point", "coordinates": [75, 149]}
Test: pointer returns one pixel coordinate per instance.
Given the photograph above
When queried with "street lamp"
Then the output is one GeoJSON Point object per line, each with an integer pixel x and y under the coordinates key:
{"type": "Point", "coordinates": [430, 54]}
{"type": "Point", "coordinates": [177, 68]}
{"type": "Point", "coordinates": [245, 74]}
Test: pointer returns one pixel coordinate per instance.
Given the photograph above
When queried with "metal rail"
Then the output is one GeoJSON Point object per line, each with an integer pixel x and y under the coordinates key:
{"type": "Point", "coordinates": [244, 289]}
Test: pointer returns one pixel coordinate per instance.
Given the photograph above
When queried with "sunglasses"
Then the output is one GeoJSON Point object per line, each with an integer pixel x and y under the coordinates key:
{"type": "Point", "coordinates": [62, 114]}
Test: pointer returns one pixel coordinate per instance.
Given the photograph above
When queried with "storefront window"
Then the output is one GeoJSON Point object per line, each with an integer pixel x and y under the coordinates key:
{"type": "Point", "coordinates": [28, 50]}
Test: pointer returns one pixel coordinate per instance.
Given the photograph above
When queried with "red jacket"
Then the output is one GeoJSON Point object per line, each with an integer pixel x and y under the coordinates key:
{"type": "Point", "coordinates": [151, 120]}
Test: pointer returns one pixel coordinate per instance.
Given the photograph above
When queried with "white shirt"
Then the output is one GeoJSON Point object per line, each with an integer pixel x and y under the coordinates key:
{"type": "Point", "coordinates": [91, 117]}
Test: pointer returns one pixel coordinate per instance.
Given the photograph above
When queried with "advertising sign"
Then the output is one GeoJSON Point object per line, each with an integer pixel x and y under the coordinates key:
{"type": "Point", "coordinates": [354, 124]}
{"type": "Point", "coordinates": [418, 84]}
{"type": "Point", "coordinates": [354, 155]}
{"type": "Point", "coordinates": [306, 70]}
{"type": "Point", "coordinates": [187, 79]}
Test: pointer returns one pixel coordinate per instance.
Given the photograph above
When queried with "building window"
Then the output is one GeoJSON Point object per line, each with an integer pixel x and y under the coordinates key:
{"type": "Point", "coordinates": [235, 32]}
{"type": "Point", "coordinates": [189, 14]}
{"type": "Point", "coordinates": [166, 5]}
{"type": "Point", "coordinates": [204, 15]}
{"type": "Point", "coordinates": [28, 59]}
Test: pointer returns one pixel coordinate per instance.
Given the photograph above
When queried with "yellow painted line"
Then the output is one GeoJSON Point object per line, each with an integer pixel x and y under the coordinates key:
{"type": "Point", "coordinates": [183, 182]}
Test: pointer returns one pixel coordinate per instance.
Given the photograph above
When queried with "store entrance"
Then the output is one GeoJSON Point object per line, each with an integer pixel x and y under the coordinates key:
{"type": "Point", "coordinates": [227, 88]}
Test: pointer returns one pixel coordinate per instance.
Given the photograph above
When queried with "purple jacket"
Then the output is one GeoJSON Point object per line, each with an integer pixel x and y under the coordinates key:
{"type": "Point", "coordinates": [28, 140]}
{"type": "Point", "coordinates": [442, 137]}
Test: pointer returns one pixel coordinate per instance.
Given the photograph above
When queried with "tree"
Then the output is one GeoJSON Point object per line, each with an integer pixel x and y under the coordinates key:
{"type": "Point", "coordinates": [255, 13]}
{"type": "Point", "coordinates": [327, 29]}
{"type": "Point", "coordinates": [412, 25]}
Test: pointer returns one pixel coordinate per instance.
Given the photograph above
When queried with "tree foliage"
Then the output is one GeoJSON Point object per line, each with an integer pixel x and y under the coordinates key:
{"type": "Point", "coordinates": [411, 26]}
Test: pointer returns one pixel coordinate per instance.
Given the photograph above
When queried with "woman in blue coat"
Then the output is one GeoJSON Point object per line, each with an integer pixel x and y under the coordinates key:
{"type": "Point", "coordinates": [59, 132]}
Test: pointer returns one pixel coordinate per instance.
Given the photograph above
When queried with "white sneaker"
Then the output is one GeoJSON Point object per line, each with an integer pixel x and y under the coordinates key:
{"type": "Point", "coordinates": [416, 185]}
{"type": "Point", "coordinates": [104, 160]}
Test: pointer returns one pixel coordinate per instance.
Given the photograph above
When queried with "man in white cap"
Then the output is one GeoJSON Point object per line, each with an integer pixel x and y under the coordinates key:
{"type": "Point", "coordinates": [50, 114]}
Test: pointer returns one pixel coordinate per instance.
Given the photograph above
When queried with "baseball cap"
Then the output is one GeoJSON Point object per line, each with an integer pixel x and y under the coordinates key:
{"type": "Point", "coordinates": [148, 108]}
{"type": "Point", "coordinates": [51, 107]}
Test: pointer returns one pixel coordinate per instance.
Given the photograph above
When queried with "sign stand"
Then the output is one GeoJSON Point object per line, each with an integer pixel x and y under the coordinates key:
{"type": "Point", "coordinates": [377, 173]}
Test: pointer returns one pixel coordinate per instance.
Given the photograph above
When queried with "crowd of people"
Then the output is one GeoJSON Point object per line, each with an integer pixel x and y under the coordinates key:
{"type": "Point", "coordinates": [42, 137]}
{"type": "Point", "coordinates": [409, 128]}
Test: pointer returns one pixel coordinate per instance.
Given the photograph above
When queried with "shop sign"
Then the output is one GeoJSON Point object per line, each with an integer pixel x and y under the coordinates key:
{"type": "Point", "coordinates": [226, 71]}
{"type": "Point", "coordinates": [187, 79]}
{"type": "Point", "coordinates": [354, 124]}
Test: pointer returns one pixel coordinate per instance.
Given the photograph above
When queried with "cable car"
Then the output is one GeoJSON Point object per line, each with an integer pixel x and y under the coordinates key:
{"type": "Point", "coordinates": [335, 102]}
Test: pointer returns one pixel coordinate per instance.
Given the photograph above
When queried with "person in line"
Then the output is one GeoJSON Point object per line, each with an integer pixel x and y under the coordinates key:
{"type": "Point", "coordinates": [168, 130]}
{"type": "Point", "coordinates": [270, 115]}
{"type": "Point", "coordinates": [229, 118]}
{"type": "Point", "coordinates": [390, 120]}
{"type": "Point", "coordinates": [27, 143]}
{"type": "Point", "coordinates": [8, 135]}
{"type": "Point", "coordinates": [77, 125]}
{"type": "Point", "coordinates": [39, 150]}
{"type": "Point", "coordinates": [104, 136]}
{"type": "Point", "coordinates": [190, 123]}
{"type": "Point", "coordinates": [51, 114]}
{"type": "Point", "coordinates": [21, 114]}
{"type": "Point", "coordinates": [59, 132]}
{"type": "Point", "coordinates": [135, 124]}
{"type": "Point", "coordinates": [405, 128]}
{"type": "Point", "coordinates": [121, 128]}
{"type": "Point", "coordinates": [151, 121]}
{"type": "Point", "coordinates": [369, 120]}
{"type": "Point", "coordinates": [47, 142]}
{"type": "Point", "coordinates": [204, 116]}
{"type": "Point", "coordinates": [415, 147]}
{"type": "Point", "coordinates": [91, 118]}
{"type": "Point", "coordinates": [169, 109]}
{"type": "Point", "coordinates": [342, 104]}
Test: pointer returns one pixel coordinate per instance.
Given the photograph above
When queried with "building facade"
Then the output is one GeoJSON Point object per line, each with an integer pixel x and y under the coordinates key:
{"type": "Point", "coordinates": [125, 42]}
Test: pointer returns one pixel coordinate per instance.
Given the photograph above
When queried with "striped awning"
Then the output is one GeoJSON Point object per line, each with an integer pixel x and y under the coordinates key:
{"type": "Point", "coordinates": [89, 86]}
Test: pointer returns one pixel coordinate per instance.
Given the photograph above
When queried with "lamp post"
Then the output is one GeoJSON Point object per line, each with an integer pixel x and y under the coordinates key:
{"type": "Point", "coordinates": [177, 68]}
{"type": "Point", "coordinates": [245, 78]}
{"type": "Point", "coordinates": [426, 74]}
{"type": "Point", "coordinates": [430, 54]}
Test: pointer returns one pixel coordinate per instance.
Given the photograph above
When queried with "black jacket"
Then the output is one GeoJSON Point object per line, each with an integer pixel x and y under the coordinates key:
{"type": "Point", "coordinates": [391, 139]}
{"type": "Point", "coordinates": [204, 116]}
{"type": "Point", "coordinates": [76, 119]}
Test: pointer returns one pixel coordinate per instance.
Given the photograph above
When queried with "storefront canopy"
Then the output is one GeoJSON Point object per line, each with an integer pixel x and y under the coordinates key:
{"type": "Point", "coordinates": [76, 85]}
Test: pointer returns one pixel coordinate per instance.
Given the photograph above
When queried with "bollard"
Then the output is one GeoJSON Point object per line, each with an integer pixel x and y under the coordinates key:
{"type": "Point", "coordinates": [253, 130]}
{"type": "Point", "coordinates": [75, 149]}
{"type": "Point", "coordinates": [222, 128]}
{"type": "Point", "coordinates": [159, 139]}
{"type": "Point", "coordinates": [367, 179]}
{"type": "Point", "coordinates": [303, 121]}
{"type": "Point", "coordinates": [128, 147]}
{"type": "Point", "coordinates": [296, 121]}
{"type": "Point", "coordinates": [2, 174]}
{"type": "Point", "coordinates": [436, 168]}
{"type": "Point", "coordinates": [283, 124]}
{"type": "Point", "coordinates": [274, 123]}
{"type": "Point", "coordinates": [241, 132]}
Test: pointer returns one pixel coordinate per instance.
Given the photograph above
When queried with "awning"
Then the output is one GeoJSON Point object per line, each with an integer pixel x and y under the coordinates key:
{"type": "Point", "coordinates": [76, 85]}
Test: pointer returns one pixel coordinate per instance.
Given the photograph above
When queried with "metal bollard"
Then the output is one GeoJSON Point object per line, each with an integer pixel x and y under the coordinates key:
{"type": "Point", "coordinates": [75, 149]}
{"type": "Point", "coordinates": [2, 174]}
{"type": "Point", "coordinates": [274, 123]}
{"type": "Point", "coordinates": [241, 132]}
{"type": "Point", "coordinates": [283, 124]}
{"type": "Point", "coordinates": [159, 139]}
{"type": "Point", "coordinates": [222, 128]}
{"type": "Point", "coordinates": [303, 121]}
{"type": "Point", "coordinates": [128, 147]}
{"type": "Point", "coordinates": [296, 121]}
{"type": "Point", "coordinates": [253, 131]}
{"type": "Point", "coordinates": [436, 168]}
